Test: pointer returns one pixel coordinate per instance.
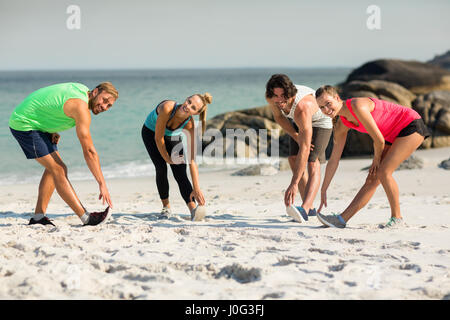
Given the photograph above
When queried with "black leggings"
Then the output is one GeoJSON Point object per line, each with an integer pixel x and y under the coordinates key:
{"type": "Point", "coordinates": [178, 170]}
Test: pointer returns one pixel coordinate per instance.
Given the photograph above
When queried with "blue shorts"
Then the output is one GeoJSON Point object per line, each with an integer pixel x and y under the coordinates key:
{"type": "Point", "coordinates": [35, 143]}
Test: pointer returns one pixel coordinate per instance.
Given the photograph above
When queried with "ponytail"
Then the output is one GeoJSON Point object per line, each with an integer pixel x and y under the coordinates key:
{"type": "Point", "coordinates": [206, 99]}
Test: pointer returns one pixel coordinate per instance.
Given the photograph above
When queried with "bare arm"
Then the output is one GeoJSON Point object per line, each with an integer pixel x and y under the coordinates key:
{"type": "Point", "coordinates": [362, 108]}
{"type": "Point", "coordinates": [339, 139]}
{"type": "Point", "coordinates": [160, 128]}
{"type": "Point", "coordinates": [190, 134]}
{"type": "Point", "coordinates": [303, 120]}
{"type": "Point", "coordinates": [78, 110]}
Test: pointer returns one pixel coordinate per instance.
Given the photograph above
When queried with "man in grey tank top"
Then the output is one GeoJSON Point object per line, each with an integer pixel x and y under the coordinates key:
{"type": "Point", "coordinates": [295, 109]}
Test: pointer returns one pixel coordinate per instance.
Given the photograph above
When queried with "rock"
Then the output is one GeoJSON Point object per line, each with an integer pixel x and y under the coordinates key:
{"type": "Point", "coordinates": [380, 89]}
{"type": "Point", "coordinates": [445, 164]}
{"type": "Point", "coordinates": [434, 108]}
{"type": "Point", "coordinates": [357, 144]}
{"type": "Point", "coordinates": [257, 170]}
{"type": "Point", "coordinates": [229, 147]}
{"type": "Point", "coordinates": [442, 61]}
{"type": "Point", "coordinates": [415, 76]}
{"type": "Point", "coordinates": [283, 164]}
{"type": "Point", "coordinates": [413, 162]}
{"type": "Point", "coordinates": [256, 130]}
{"type": "Point", "coordinates": [440, 139]}
{"type": "Point", "coordinates": [264, 111]}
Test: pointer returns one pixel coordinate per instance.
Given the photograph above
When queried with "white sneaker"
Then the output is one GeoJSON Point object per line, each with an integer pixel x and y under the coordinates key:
{"type": "Point", "coordinates": [198, 213]}
{"type": "Point", "coordinates": [166, 213]}
{"type": "Point", "coordinates": [298, 213]}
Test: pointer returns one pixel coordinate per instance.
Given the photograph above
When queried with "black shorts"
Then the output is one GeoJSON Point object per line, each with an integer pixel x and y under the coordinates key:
{"type": "Point", "coordinates": [34, 143]}
{"type": "Point", "coordinates": [320, 140]}
{"type": "Point", "coordinates": [414, 126]}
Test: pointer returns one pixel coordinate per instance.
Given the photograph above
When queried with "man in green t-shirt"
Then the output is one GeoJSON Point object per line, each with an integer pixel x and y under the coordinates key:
{"type": "Point", "coordinates": [35, 124]}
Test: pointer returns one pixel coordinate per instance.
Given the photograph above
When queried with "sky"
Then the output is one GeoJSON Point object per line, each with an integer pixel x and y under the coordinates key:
{"type": "Point", "coordinates": [134, 34]}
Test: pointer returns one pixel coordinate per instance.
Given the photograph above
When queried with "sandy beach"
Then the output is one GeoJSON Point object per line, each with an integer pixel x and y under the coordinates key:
{"type": "Point", "coordinates": [246, 248]}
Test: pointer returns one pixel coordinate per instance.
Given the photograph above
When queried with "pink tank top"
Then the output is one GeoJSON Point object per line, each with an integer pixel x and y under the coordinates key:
{"type": "Point", "coordinates": [390, 118]}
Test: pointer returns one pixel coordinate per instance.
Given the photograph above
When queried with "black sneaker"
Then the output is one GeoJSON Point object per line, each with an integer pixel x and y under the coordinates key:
{"type": "Point", "coordinates": [96, 218]}
{"type": "Point", "coordinates": [43, 221]}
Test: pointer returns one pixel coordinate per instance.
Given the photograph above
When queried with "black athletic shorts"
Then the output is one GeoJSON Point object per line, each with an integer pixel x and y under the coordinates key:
{"type": "Point", "coordinates": [414, 126]}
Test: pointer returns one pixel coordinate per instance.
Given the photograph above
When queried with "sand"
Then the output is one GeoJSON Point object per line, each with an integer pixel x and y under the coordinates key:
{"type": "Point", "coordinates": [246, 248]}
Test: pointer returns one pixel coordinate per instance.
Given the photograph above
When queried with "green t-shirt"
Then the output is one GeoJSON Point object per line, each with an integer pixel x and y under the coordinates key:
{"type": "Point", "coordinates": [43, 109]}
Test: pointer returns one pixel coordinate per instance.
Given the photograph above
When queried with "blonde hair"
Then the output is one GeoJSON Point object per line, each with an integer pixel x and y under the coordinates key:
{"type": "Point", "coordinates": [206, 99]}
{"type": "Point", "coordinates": [109, 88]}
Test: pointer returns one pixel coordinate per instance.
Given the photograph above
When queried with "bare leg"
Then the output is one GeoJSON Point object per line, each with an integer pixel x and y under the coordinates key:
{"type": "Point", "coordinates": [392, 157]}
{"type": "Point", "coordinates": [303, 180]}
{"type": "Point", "coordinates": [312, 186]}
{"type": "Point", "coordinates": [46, 188]}
{"type": "Point", "coordinates": [56, 167]}
{"type": "Point", "coordinates": [362, 197]}
{"type": "Point", "coordinates": [302, 185]}
{"type": "Point", "coordinates": [191, 205]}
{"type": "Point", "coordinates": [165, 202]}
{"type": "Point", "coordinates": [364, 194]}
{"type": "Point", "coordinates": [400, 150]}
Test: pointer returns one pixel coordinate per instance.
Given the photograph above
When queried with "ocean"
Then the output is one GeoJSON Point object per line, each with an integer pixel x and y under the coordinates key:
{"type": "Point", "coordinates": [117, 132]}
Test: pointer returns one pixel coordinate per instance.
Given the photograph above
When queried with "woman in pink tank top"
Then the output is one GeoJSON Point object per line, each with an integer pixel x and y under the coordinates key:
{"type": "Point", "coordinates": [396, 131]}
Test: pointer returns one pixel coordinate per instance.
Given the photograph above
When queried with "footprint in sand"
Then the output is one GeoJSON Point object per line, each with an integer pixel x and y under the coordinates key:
{"type": "Point", "coordinates": [337, 268]}
{"type": "Point", "coordinates": [402, 245]}
{"type": "Point", "coordinates": [273, 295]}
{"type": "Point", "coordinates": [144, 278]}
{"type": "Point", "coordinates": [239, 273]}
{"type": "Point", "coordinates": [331, 253]}
{"type": "Point", "coordinates": [410, 266]}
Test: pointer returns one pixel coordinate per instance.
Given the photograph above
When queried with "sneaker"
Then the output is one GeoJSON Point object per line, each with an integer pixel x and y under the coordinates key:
{"type": "Point", "coordinates": [198, 213]}
{"type": "Point", "coordinates": [333, 220]}
{"type": "Point", "coordinates": [166, 213]}
{"type": "Point", "coordinates": [298, 213]}
{"type": "Point", "coordinates": [96, 218]}
{"type": "Point", "coordinates": [312, 213]}
{"type": "Point", "coordinates": [43, 221]}
{"type": "Point", "coordinates": [394, 222]}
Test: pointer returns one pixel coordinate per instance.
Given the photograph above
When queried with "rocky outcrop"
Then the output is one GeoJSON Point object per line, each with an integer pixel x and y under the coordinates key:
{"type": "Point", "coordinates": [434, 108]}
{"type": "Point", "coordinates": [253, 141]}
{"type": "Point", "coordinates": [421, 86]}
{"type": "Point", "coordinates": [408, 83]}
{"type": "Point", "coordinates": [413, 162]}
{"type": "Point", "coordinates": [445, 164]}
{"type": "Point", "coordinates": [418, 77]}
{"type": "Point", "coordinates": [380, 89]}
{"type": "Point", "coordinates": [442, 60]}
